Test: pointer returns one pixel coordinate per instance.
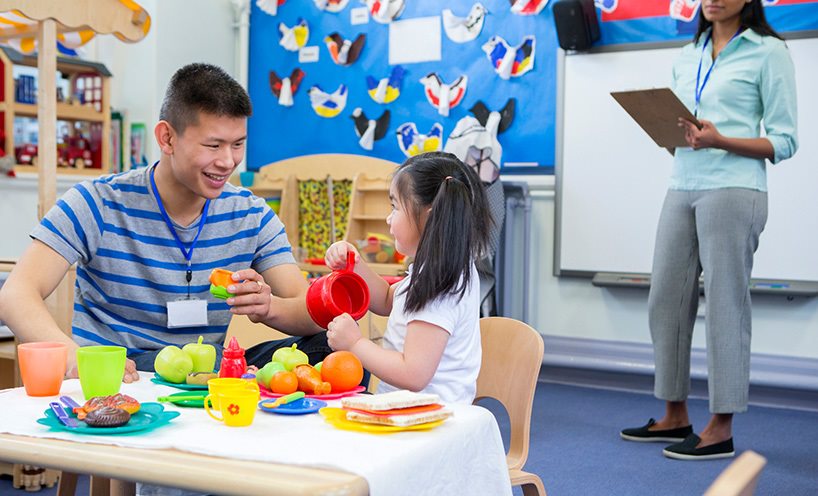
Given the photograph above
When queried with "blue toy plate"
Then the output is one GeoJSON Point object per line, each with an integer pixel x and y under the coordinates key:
{"type": "Point", "coordinates": [297, 407]}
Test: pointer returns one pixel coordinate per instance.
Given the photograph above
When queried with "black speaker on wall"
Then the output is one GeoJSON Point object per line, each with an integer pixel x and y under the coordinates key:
{"type": "Point", "coordinates": [577, 25]}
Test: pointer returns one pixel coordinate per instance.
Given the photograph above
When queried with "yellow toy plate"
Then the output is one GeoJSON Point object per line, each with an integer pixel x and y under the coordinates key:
{"type": "Point", "coordinates": [337, 417]}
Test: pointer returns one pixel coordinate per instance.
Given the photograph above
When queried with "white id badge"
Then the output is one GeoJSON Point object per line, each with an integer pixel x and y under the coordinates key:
{"type": "Point", "coordinates": [187, 313]}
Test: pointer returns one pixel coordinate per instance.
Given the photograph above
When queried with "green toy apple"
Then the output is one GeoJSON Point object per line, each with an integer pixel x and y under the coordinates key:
{"type": "Point", "coordinates": [203, 355]}
{"type": "Point", "coordinates": [290, 357]}
{"type": "Point", "coordinates": [267, 372]}
{"type": "Point", "coordinates": [173, 364]}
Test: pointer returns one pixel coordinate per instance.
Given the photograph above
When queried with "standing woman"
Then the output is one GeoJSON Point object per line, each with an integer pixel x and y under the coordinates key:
{"type": "Point", "coordinates": [735, 76]}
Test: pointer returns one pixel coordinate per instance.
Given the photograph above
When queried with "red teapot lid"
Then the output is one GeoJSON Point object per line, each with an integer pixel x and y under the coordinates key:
{"type": "Point", "coordinates": [233, 350]}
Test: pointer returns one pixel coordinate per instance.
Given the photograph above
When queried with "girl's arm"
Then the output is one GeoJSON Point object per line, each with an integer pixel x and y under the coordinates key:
{"type": "Point", "coordinates": [413, 369]}
{"type": "Point", "coordinates": [380, 293]}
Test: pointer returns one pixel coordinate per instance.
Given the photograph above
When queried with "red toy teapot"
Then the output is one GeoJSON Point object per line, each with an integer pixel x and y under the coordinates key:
{"type": "Point", "coordinates": [342, 291]}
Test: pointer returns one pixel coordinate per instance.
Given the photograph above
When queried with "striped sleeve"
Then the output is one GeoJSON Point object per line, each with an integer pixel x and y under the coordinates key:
{"type": "Point", "coordinates": [74, 226]}
{"type": "Point", "coordinates": [273, 247]}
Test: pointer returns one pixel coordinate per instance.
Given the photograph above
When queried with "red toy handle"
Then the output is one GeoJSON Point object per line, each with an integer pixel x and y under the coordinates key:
{"type": "Point", "coordinates": [350, 261]}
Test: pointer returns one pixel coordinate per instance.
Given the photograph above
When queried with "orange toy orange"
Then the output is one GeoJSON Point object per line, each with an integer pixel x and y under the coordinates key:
{"type": "Point", "coordinates": [309, 380]}
{"type": "Point", "coordinates": [284, 382]}
{"type": "Point", "coordinates": [343, 370]}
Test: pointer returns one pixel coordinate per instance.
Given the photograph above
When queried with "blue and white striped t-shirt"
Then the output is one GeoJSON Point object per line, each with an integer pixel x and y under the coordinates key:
{"type": "Point", "coordinates": [129, 265]}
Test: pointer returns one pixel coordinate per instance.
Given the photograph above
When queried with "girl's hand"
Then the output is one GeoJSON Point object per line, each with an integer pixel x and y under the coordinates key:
{"type": "Point", "coordinates": [336, 257]}
{"type": "Point", "coordinates": [252, 295]}
{"type": "Point", "coordinates": [706, 137]}
{"type": "Point", "coordinates": [343, 332]}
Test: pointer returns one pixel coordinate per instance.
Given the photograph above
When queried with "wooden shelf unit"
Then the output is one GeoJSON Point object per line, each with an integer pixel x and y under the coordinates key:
{"type": "Point", "coordinates": [98, 112]}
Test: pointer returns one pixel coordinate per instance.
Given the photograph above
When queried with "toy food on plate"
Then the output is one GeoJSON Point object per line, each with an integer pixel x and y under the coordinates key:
{"type": "Point", "coordinates": [309, 380]}
{"type": "Point", "coordinates": [119, 400]}
{"type": "Point", "coordinates": [397, 408]}
{"type": "Point", "coordinates": [107, 416]}
{"type": "Point", "coordinates": [342, 370]}
{"type": "Point", "coordinates": [173, 364]}
{"type": "Point", "coordinates": [219, 280]}
{"type": "Point", "coordinates": [200, 377]}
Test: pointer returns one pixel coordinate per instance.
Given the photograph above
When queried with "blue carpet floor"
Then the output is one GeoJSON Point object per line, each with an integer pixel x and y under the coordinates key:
{"type": "Point", "coordinates": [576, 449]}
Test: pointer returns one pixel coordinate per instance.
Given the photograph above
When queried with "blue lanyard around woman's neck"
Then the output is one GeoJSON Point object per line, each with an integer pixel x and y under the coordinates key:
{"type": "Point", "coordinates": [188, 254]}
{"type": "Point", "coordinates": [699, 90]}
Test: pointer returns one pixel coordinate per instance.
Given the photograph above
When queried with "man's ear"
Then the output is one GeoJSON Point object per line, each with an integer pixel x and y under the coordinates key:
{"type": "Point", "coordinates": [165, 137]}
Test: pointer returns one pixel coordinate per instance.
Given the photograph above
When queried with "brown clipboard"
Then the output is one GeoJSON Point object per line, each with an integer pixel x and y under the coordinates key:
{"type": "Point", "coordinates": [657, 111]}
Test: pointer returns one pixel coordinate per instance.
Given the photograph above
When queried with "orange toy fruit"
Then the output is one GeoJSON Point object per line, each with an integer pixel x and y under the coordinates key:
{"type": "Point", "coordinates": [284, 382]}
{"type": "Point", "coordinates": [343, 370]}
{"type": "Point", "coordinates": [309, 380]}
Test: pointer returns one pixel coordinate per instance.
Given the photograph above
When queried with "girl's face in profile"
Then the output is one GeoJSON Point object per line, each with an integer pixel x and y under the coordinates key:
{"type": "Point", "coordinates": [722, 10]}
{"type": "Point", "coordinates": [402, 225]}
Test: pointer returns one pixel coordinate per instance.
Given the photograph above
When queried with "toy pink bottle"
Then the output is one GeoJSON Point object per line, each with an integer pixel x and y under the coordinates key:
{"type": "Point", "coordinates": [233, 361]}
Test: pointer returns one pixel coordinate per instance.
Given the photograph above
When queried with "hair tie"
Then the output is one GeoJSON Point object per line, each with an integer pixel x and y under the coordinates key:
{"type": "Point", "coordinates": [447, 178]}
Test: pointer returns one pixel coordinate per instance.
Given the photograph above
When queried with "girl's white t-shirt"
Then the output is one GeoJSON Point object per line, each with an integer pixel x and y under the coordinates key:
{"type": "Point", "coordinates": [455, 380]}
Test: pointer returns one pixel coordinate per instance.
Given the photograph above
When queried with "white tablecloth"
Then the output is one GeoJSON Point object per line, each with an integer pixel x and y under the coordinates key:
{"type": "Point", "coordinates": [465, 455]}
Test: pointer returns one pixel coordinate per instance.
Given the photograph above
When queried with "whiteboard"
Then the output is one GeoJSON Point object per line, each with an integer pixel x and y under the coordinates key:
{"type": "Point", "coordinates": [612, 178]}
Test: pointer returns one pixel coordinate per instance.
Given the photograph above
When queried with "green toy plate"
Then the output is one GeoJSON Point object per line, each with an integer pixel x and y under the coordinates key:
{"type": "Point", "coordinates": [157, 379]}
{"type": "Point", "coordinates": [149, 417]}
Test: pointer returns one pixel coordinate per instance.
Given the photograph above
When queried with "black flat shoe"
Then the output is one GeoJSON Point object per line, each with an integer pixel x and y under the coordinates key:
{"type": "Point", "coordinates": [644, 435]}
{"type": "Point", "coordinates": [687, 450]}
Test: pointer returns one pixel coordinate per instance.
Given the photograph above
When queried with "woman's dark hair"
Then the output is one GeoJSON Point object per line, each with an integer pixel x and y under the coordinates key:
{"type": "Point", "coordinates": [752, 17]}
{"type": "Point", "coordinates": [197, 88]}
{"type": "Point", "coordinates": [457, 228]}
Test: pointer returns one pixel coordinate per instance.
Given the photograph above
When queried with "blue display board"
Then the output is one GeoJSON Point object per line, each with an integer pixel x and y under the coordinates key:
{"type": "Point", "coordinates": [277, 132]}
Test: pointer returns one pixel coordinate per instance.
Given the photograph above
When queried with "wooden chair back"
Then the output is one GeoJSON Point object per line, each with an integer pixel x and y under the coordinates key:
{"type": "Point", "coordinates": [512, 356]}
{"type": "Point", "coordinates": [740, 477]}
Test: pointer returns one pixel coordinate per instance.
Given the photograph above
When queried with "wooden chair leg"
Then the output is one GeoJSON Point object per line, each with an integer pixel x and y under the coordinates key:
{"type": "Point", "coordinates": [68, 484]}
{"type": "Point", "coordinates": [122, 488]}
{"type": "Point", "coordinates": [99, 486]}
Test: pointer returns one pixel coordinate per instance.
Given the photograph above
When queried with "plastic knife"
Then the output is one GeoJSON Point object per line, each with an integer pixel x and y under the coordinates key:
{"type": "Point", "coordinates": [62, 415]}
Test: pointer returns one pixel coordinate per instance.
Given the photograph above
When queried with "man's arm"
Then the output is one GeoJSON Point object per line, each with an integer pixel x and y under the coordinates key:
{"type": "Point", "coordinates": [22, 298]}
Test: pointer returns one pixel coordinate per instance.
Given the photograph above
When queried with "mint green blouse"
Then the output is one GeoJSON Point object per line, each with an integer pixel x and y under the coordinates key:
{"type": "Point", "coordinates": [751, 86]}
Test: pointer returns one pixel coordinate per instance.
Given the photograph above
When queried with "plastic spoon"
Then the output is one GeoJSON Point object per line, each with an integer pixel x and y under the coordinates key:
{"type": "Point", "coordinates": [175, 399]}
{"type": "Point", "coordinates": [283, 400]}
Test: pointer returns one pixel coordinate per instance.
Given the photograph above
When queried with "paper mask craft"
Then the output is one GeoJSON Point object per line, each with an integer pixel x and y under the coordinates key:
{"type": "Point", "coordinates": [293, 38]}
{"type": "Point", "coordinates": [527, 7]}
{"type": "Point", "coordinates": [412, 143]}
{"type": "Point", "coordinates": [269, 6]}
{"type": "Point", "coordinates": [510, 61]}
{"type": "Point", "coordinates": [474, 139]}
{"type": "Point", "coordinates": [385, 11]}
{"type": "Point", "coordinates": [444, 96]}
{"type": "Point", "coordinates": [333, 6]}
{"type": "Point", "coordinates": [344, 52]}
{"type": "Point", "coordinates": [684, 10]}
{"type": "Point", "coordinates": [285, 88]}
{"type": "Point", "coordinates": [464, 29]}
{"type": "Point", "coordinates": [369, 130]}
{"type": "Point", "coordinates": [328, 104]}
{"type": "Point", "coordinates": [387, 90]}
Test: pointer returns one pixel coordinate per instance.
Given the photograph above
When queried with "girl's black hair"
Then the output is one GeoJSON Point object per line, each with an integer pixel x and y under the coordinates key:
{"type": "Point", "coordinates": [456, 232]}
{"type": "Point", "coordinates": [751, 15]}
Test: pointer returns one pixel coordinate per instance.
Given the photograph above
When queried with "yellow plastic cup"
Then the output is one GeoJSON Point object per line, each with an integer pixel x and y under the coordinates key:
{"type": "Point", "coordinates": [219, 385]}
{"type": "Point", "coordinates": [42, 367]}
{"type": "Point", "coordinates": [237, 406]}
{"type": "Point", "coordinates": [101, 369]}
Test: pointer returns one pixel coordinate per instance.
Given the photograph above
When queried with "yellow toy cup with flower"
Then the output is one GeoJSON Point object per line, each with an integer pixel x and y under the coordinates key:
{"type": "Point", "coordinates": [237, 406]}
{"type": "Point", "coordinates": [220, 385]}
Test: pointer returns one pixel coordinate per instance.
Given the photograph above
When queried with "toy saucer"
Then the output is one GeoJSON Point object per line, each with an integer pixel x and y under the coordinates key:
{"type": "Point", "coordinates": [158, 379]}
{"type": "Point", "coordinates": [297, 407]}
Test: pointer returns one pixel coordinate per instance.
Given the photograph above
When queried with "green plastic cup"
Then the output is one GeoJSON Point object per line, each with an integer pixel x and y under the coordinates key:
{"type": "Point", "coordinates": [101, 369]}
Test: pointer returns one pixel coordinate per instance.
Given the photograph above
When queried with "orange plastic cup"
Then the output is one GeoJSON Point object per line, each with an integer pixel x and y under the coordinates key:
{"type": "Point", "coordinates": [42, 367]}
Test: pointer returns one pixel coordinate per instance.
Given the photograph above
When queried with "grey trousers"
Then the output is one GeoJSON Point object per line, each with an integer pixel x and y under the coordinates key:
{"type": "Point", "coordinates": [714, 232]}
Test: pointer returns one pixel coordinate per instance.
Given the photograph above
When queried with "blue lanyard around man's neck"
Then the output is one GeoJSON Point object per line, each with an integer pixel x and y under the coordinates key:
{"type": "Point", "coordinates": [188, 254]}
{"type": "Point", "coordinates": [699, 90]}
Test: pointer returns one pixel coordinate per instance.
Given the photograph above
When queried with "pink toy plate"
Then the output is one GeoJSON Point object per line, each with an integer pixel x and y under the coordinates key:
{"type": "Point", "coordinates": [266, 393]}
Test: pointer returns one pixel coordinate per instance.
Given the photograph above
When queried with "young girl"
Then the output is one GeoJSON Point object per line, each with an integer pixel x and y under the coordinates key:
{"type": "Point", "coordinates": [432, 341]}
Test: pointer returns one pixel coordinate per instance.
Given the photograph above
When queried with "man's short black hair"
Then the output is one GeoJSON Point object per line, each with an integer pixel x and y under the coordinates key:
{"type": "Point", "coordinates": [205, 88]}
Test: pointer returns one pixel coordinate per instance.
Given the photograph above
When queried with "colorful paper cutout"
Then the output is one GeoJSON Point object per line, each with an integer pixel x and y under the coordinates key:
{"type": "Point", "coordinates": [510, 61]}
{"type": "Point", "coordinates": [385, 11]}
{"type": "Point", "coordinates": [344, 52]}
{"type": "Point", "coordinates": [444, 96]}
{"type": "Point", "coordinates": [474, 139]}
{"type": "Point", "coordinates": [464, 29]}
{"type": "Point", "coordinates": [527, 7]}
{"type": "Point", "coordinates": [386, 90]}
{"type": "Point", "coordinates": [606, 6]}
{"type": "Point", "coordinates": [269, 6]}
{"type": "Point", "coordinates": [370, 130]}
{"type": "Point", "coordinates": [684, 10]}
{"type": "Point", "coordinates": [328, 104]}
{"type": "Point", "coordinates": [293, 38]}
{"type": "Point", "coordinates": [333, 6]}
{"type": "Point", "coordinates": [285, 88]}
{"type": "Point", "coordinates": [412, 143]}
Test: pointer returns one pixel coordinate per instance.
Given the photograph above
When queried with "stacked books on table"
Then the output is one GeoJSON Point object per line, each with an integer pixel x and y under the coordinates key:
{"type": "Point", "coordinates": [397, 408]}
